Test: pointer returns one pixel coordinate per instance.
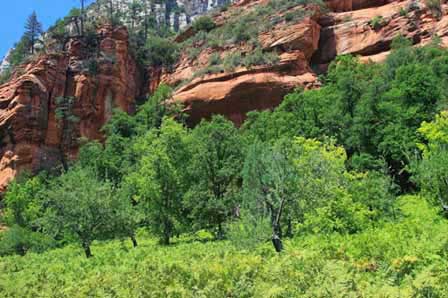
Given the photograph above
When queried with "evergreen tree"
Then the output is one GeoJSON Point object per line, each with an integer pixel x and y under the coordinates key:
{"type": "Point", "coordinates": [33, 29]}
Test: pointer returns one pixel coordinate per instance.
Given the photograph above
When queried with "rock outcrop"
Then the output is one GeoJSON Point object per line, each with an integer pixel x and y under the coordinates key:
{"type": "Point", "coordinates": [354, 33]}
{"type": "Point", "coordinates": [243, 89]}
{"type": "Point", "coordinates": [55, 100]}
{"type": "Point", "coordinates": [364, 28]}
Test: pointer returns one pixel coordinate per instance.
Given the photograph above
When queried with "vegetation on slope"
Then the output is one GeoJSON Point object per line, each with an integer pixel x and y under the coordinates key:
{"type": "Point", "coordinates": [301, 201]}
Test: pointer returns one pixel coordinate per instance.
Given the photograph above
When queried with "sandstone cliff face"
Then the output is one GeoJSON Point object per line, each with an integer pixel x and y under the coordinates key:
{"type": "Point", "coordinates": [234, 93]}
{"type": "Point", "coordinates": [306, 48]}
{"type": "Point", "coordinates": [33, 134]}
{"type": "Point", "coordinates": [352, 32]}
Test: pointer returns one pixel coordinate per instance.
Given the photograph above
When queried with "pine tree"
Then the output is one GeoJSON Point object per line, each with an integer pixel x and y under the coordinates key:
{"type": "Point", "coordinates": [33, 29]}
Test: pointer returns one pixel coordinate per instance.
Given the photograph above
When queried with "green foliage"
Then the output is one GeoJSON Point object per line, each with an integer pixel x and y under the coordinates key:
{"type": "Point", "coordinates": [5, 76]}
{"type": "Point", "coordinates": [20, 240]}
{"type": "Point", "coordinates": [161, 52]}
{"type": "Point", "coordinates": [213, 172]}
{"type": "Point", "coordinates": [83, 208]}
{"type": "Point", "coordinates": [406, 258]}
{"type": "Point", "coordinates": [231, 61]}
{"type": "Point", "coordinates": [151, 113]}
{"type": "Point", "coordinates": [160, 178]}
{"type": "Point", "coordinates": [431, 171]}
{"type": "Point", "coordinates": [249, 231]}
{"type": "Point", "coordinates": [24, 209]}
{"type": "Point", "coordinates": [377, 22]}
{"type": "Point", "coordinates": [33, 30]}
{"type": "Point", "coordinates": [23, 203]}
{"type": "Point", "coordinates": [258, 57]}
{"type": "Point", "coordinates": [244, 27]}
{"type": "Point", "coordinates": [203, 23]}
{"type": "Point", "coordinates": [373, 110]}
{"type": "Point", "coordinates": [315, 177]}
{"type": "Point", "coordinates": [64, 109]}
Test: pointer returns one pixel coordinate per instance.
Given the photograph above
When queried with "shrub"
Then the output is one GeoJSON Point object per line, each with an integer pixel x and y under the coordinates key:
{"type": "Point", "coordinates": [258, 57]}
{"type": "Point", "coordinates": [19, 240]}
{"type": "Point", "coordinates": [435, 6]}
{"type": "Point", "coordinates": [377, 22]}
{"type": "Point", "coordinates": [232, 60]}
{"type": "Point", "coordinates": [203, 23]}
{"type": "Point", "coordinates": [5, 76]}
{"type": "Point", "coordinates": [193, 52]}
{"type": "Point", "coordinates": [403, 12]}
{"type": "Point", "coordinates": [214, 59]}
{"type": "Point", "coordinates": [161, 52]}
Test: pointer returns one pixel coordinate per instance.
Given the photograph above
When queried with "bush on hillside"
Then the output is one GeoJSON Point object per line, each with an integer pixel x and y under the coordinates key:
{"type": "Point", "coordinates": [203, 23]}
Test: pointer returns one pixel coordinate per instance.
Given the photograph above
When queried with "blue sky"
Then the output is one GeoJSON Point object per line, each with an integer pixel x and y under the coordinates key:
{"type": "Point", "coordinates": [13, 14]}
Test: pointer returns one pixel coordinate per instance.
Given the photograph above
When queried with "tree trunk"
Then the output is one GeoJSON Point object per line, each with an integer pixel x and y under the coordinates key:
{"type": "Point", "coordinates": [289, 228]}
{"type": "Point", "coordinates": [87, 250]}
{"type": "Point", "coordinates": [277, 242]}
{"type": "Point", "coordinates": [220, 232]}
{"type": "Point", "coordinates": [32, 44]}
{"type": "Point", "coordinates": [165, 239]}
{"type": "Point", "coordinates": [82, 17]}
{"type": "Point", "coordinates": [277, 237]}
{"type": "Point", "coordinates": [134, 241]}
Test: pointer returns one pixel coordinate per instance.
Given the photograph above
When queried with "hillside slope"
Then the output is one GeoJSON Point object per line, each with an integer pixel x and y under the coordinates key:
{"type": "Point", "coordinates": [280, 46]}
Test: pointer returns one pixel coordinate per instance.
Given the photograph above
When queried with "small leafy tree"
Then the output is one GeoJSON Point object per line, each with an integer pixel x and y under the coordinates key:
{"type": "Point", "coordinates": [270, 181]}
{"type": "Point", "coordinates": [23, 203]}
{"type": "Point", "coordinates": [80, 206]}
{"type": "Point", "coordinates": [22, 213]}
{"type": "Point", "coordinates": [151, 113]}
{"type": "Point", "coordinates": [161, 52]}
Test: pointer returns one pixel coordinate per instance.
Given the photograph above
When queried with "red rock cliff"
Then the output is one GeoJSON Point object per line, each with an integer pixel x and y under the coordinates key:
{"type": "Point", "coordinates": [314, 41]}
{"type": "Point", "coordinates": [32, 136]}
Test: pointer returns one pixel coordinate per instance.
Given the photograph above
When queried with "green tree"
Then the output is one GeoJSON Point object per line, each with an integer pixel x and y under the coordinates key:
{"type": "Point", "coordinates": [270, 181]}
{"type": "Point", "coordinates": [159, 178]}
{"type": "Point", "coordinates": [23, 211]}
{"type": "Point", "coordinates": [161, 52]}
{"type": "Point", "coordinates": [23, 202]}
{"type": "Point", "coordinates": [82, 207]}
{"type": "Point", "coordinates": [214, 171]}
{"type": "Point", "coordinates": [151, 113]}
{"type": "Point", "coordinates": [33, 29]}
{"type": "Point", "coordinates": [431, 172]}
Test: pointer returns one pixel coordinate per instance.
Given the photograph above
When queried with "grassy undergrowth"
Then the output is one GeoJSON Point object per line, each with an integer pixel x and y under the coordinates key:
{"type": "Point", "coordinates": [403, 258]}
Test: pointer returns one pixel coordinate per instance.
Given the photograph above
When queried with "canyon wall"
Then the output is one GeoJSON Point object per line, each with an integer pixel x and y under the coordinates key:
{"type": "Point", "coordinates": [54, 101]}
{"type": "Point", "coordinates": [59, 98]}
